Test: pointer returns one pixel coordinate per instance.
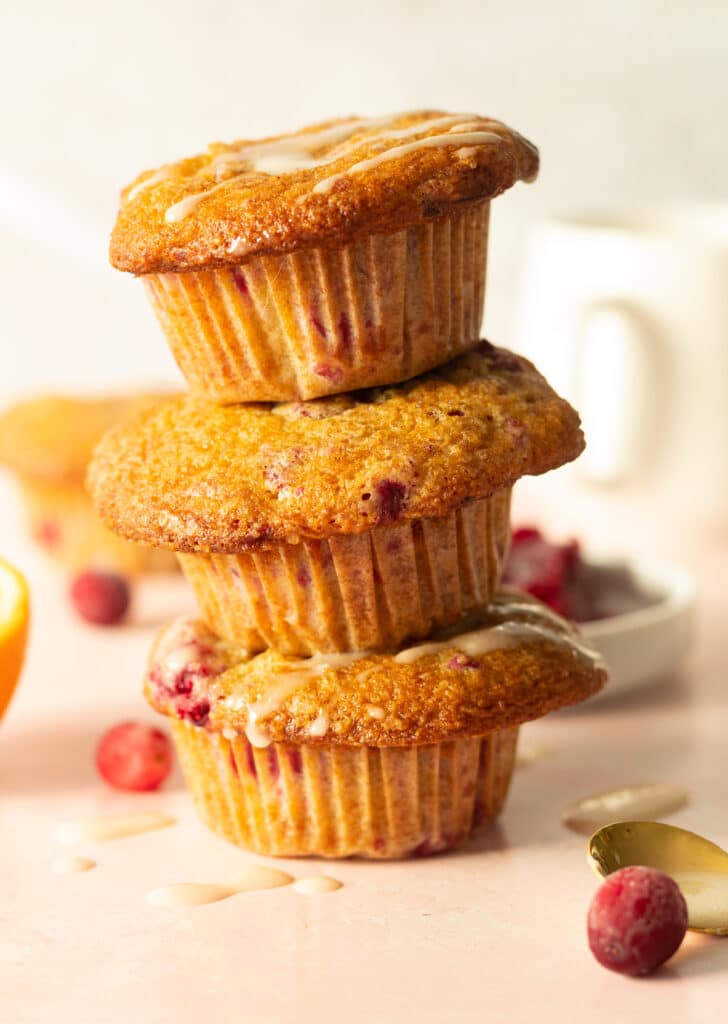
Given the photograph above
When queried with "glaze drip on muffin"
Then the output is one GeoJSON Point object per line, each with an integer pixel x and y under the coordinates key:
{"type": "Point", "coordinates": [323, 185]}
{"type": "Point", "coordinates": [513, 661]}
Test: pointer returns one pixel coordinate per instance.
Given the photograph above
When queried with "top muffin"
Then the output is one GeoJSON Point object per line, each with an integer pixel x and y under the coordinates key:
{"type": "Point", "coordinates": [323, 185]}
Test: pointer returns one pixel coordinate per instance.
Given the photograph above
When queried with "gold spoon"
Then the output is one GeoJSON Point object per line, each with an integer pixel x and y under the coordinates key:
{"type": "Point", "coordinates": [699, 867]}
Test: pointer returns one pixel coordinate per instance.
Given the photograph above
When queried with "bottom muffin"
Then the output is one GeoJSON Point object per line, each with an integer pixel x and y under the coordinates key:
{"type": "Point", "coordinates": [369, 755]}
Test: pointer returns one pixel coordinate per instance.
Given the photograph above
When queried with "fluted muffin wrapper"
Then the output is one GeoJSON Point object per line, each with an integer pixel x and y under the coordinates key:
{"type": "Point", "coordinates": [329, 801]}
{"type": "Point", "coordinates": [368, 591]}
{"type": "Point", "coordinates": [378, 310]}
{"type": "Point", "coordinates": [63, 522]}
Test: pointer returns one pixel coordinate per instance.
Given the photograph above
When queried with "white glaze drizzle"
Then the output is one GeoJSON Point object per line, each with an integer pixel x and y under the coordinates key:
{"type": "Point", "coordinates": [185, 206]}
{"type": "Point", "coordinates": [450, 121]}
{"type": "Point", "coordinates": [279, 156]}
{"type": "Point", "coordinates": [141, 186]}
{"type": "Point", "coordinates": [476, 642]}
{"type": "Point", "coordinates": [111, 827]}
{"type": "Point", "coordinates": [72, 864]}
{"type": "Point", "coordinates": [293, 676]}
{"type": "Point", "coordinates": [189, 894]}
{"type": "Point", "coordinates": [295, 153]}
{"type": "Point", "coordinates": [433, 141]}
{"type": "Point", "coordinates": [317, 884]}
{"type": "Point", "coordinates": [502, 635]}
{"type": "Point", "coordinates": [479, 641]}
{"type": "Point", "coordinates": [319, 727]}
{"type": "Point", "coordinates": [255, 878]}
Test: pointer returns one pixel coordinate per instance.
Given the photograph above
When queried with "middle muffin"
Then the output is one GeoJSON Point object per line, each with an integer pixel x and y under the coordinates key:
{"type": "Point", "coordinates": [348, 523]}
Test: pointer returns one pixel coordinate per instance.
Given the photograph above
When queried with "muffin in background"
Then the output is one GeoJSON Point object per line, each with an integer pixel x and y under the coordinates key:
{"type": "Point", "coordinates": [381, 756]}
{"type": "Point", "coordinates": [347, 523]}
{"type": "Point", "coordinates": [47, 443]}
{"type": "Point", "coordinates": [347, 255]}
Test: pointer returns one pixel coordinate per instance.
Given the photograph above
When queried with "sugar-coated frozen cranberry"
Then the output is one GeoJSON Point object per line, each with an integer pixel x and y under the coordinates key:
{"type": "Point", "coordinates": [100, 597]}
{"type": "Point", "coordinates": [134, 756]}
{"type": "Point", "coordinates": [637, 920]}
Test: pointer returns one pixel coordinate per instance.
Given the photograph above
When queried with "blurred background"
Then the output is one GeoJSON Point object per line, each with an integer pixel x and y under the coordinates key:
{"type": "Point", "coordinates": [624, 101]}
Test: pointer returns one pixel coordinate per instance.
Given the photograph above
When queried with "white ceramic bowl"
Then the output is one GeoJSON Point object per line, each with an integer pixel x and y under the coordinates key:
{"type": "Point", "coordinates": [644, 646]}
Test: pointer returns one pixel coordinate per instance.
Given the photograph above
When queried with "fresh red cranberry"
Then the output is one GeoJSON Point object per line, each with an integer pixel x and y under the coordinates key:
{"type": "Point", "coordinates": [100, 597]}
{"type": "Point", "coordinates": [541, 569]}
{"type": "Point", "coordinates": [636, 921]}
{"type": "Point", "coordinates": [134, 756]}
{"type": "Point", "coordinates": [524, 533]}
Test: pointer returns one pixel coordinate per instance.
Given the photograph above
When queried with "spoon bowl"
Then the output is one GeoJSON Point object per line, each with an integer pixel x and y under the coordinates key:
{"type": "Point", "coordinates": [699, 867]}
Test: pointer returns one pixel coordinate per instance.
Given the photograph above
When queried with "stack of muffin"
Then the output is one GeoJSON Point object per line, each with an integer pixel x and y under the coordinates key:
{"type": "Point", "coordinates": [337, 485]}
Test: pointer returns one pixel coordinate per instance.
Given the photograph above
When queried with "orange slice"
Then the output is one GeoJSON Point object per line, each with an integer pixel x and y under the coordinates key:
{"type": "Point", "coordinates": [14, 615]}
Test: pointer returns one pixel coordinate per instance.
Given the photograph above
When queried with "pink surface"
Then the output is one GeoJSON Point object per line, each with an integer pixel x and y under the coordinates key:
{"type": "Point", "coordinates": [495, 932]}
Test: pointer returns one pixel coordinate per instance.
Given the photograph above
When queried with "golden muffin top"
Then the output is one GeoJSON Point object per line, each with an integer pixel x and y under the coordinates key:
{"type": "Point", "coordinates": [50, 439]}
{"type": "Point", "coordinates": [323, 185]}
{"type": "Point", "coordinates": [511, 663]}
{"type": "Point", "coordinates": [194, 476]}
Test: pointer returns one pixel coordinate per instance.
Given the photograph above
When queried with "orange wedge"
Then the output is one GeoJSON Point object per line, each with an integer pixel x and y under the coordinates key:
{"type": "Point", "coordinates": [14, 615]}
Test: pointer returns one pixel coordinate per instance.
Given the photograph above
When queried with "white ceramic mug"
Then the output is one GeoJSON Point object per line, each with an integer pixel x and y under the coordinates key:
{"type": "Point", "coordinates": [628, 318]}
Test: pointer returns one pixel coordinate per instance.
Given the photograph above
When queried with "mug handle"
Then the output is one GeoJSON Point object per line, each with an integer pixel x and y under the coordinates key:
{"type": "Point", "coordinates": [616, 376]}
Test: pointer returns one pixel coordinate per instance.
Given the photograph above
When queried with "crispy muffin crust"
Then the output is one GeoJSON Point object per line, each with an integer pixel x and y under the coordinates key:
{"type": "Point", "coordinates": [380, 702]}
{"type": "Point", "coordinates": [252, 212]}
{"type": "Point", "coordinates": [51, 439]}
{"type": "Point", "coordinates": [194, 476]}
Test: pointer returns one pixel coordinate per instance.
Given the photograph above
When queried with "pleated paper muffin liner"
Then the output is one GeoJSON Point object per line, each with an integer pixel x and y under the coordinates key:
{"type": "Point", "coordinates": [62, 521]}
{"type": "Point", "coordinates": [378, 310]}
{"type": "Point", "coordinates": [368, 591]}
{"type": "Point", "coordinates": [329, 801]}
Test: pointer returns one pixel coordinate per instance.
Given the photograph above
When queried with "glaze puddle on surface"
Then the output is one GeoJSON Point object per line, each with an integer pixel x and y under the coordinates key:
{"type": "Point", "coordinates": [106, 827]}
{"type": "Point", "coordinates": [255, 878]}
{"type": "Point", "coordinates": [647, 800]}
{"type": "Point", "coordinates": [316, 885]}
{"type": "Point", "coordinates": [72, 865]}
